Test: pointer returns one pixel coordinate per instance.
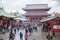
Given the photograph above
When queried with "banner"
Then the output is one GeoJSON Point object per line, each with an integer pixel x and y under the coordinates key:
{"type": "Point", "coordinates": [56, 27]}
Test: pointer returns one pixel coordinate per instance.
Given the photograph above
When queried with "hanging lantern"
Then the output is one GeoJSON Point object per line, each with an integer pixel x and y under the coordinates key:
{"type": "Point", "coordinates": [18, 21]}
{"type": "Point", "coordinates": [28, 20]}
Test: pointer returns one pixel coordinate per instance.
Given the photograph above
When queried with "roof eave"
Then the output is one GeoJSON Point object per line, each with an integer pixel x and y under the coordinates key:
{"type": "Point", "coordinates": [36, 15]}
{"type": "Point", "coordinates": [25, 9]}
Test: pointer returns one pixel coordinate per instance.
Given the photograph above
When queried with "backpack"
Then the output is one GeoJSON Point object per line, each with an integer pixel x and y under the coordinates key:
{"type": "Point", "coordinates": [21, 34]}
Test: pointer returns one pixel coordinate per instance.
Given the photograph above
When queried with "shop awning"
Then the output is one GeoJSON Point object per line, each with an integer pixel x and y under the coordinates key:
{"type": "Point", "coordinates": [18, 18]}
{"type": "Point", "coordinates": [48, 18]}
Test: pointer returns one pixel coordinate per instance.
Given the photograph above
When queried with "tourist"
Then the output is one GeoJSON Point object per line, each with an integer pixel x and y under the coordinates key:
{"type": "Point", "coordinates": [50, 32]}
{"type": "Point", "coordinates": [21, 36]}
{"type": "Point", "coordinates": [3, 30]}
{"type": "Point", "coordinates": [9, 28]}
{"type": "Point", "coordinates": [35, 27]}
{"type": "Point", "coordinates": [14, 30]}
{"type": "Point", "coordinates": [26, 34]}
{"type": "Point", "coordinates": [26, 30]}
{"type": "Point", "coordinates": [16, 25]}
{"type": "Point", "coordinates": [53, 33]}
{"type": "Point", "coordinates": [49, 37]}
{"type": "Point", "coordinates": [30, 30]}
{"type": "Point", "coordinates": [11, 37]}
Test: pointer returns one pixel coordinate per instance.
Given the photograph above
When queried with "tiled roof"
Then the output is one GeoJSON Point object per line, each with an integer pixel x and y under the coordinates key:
{"type": "Point", "coordinates": [57, 14]}
{"type": "Point", "coordinates": [45, 9]}
{"type": "Point", "coordinates": [3, 13]}
{"type": "Point", "coordinates": [36, 6]}
{"type": "Point", "coordinates": [36, 14]}
{"type": "Point", "coordinates": [48, 18]}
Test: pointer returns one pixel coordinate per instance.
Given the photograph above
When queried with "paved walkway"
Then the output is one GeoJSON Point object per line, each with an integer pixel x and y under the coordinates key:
{"type": "Point", "coordinates": [42, 36]}
{"type": "Point", "coordinates": [35, 35]}
{"type": "Point", "coordinates": [4, 36]}
{"type": "Point", "coordinates": [57, 36]}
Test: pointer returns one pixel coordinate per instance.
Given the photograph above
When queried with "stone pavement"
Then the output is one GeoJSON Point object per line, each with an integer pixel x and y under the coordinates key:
{"type": "Point", "coordinates": [17, 36]}
{"type": "Point", "coordinates": [35, 35]}
{"type": "Point", "coordinates": [42, 36]}
{"type": "Point", "coordinates": [4, 36]}
{"type": "Point", "coordinates": [57, 36]}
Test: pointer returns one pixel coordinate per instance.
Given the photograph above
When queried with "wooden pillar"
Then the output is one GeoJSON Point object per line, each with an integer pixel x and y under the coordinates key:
{"type": "Point", "coordinates": [51, 25]}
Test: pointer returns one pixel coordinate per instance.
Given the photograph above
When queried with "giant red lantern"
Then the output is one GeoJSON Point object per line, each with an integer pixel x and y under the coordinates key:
{"type": "Point", "coordinates": [28, 19]}
{"type": "Point", "coordinates": [18, 21]}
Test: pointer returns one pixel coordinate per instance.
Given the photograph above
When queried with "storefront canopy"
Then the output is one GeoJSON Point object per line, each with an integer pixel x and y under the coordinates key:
{"type": "Point", "coordinates": [48, 18]}
{"type": "Point", "coordinates": [22, 19]}
{"type": "Point", "coordinates": [3, 13]}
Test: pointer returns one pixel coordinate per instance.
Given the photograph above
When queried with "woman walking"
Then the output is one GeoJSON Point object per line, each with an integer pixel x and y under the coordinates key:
{"type": "Point", "coordinates": [26, 34]}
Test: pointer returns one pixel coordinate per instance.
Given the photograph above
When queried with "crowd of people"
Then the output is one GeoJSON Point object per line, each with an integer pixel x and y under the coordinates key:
{"type": "Point", "coordinates": [16, 27]}
{"type": "Point", "coordinates": [29, 29]}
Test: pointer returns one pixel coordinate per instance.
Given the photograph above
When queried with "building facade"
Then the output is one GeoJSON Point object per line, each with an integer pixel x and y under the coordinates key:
{"type": "Point", "coordinates": [36, 12]}
{"type": "Point", "coordinates": [51, 23]}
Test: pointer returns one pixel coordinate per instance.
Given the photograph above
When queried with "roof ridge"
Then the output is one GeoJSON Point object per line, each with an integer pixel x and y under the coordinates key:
{"type": "Point", "coordinates": [37, 4]}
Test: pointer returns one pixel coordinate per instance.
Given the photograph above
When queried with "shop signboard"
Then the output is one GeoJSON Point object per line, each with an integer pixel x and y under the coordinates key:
{"type": "Point", "coordinates": [56, 27]}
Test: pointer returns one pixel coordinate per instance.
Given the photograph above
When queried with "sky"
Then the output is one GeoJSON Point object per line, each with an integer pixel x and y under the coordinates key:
{"type": "Point", "coordinates": [17, 5]}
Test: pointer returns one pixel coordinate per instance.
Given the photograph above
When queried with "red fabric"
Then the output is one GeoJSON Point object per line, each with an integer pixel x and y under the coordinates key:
{"type": "Point", "coordinates": [19, 22]}
{"type": "Point", "coordinates": [28, 20]}
{"type": "Point", "coordinates": [26, 34]}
